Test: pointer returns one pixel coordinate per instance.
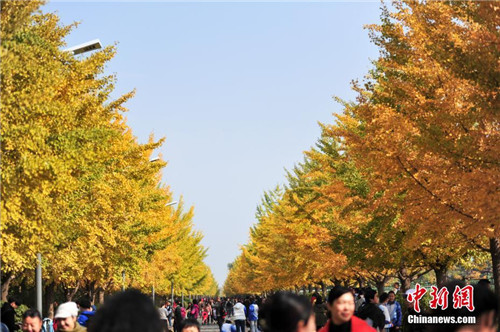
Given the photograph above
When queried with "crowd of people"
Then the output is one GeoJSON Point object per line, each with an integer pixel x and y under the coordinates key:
{"type": "Point", "coordinates": [343, 310]}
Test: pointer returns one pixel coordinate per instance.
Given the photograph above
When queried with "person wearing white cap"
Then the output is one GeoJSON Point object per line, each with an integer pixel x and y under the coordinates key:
{"type": "Point", "coordinates": [66, 316]}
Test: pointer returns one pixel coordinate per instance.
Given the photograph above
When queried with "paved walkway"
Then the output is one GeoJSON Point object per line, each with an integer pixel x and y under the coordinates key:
{"type": "Point", "coordinates": [210, 328]}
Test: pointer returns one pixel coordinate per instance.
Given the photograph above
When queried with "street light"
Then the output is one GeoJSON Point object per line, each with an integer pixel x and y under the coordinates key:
{"type": "Point", "coordinates": [171, 203]}
{"type": "Point", "coordinates": [85, 47]}
{"type": "Point", "coordinates": [78, 49]}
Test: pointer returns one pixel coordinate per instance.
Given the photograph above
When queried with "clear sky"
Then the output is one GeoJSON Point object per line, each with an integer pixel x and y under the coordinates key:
{"type": "Point", "coordinates": [237, 88]}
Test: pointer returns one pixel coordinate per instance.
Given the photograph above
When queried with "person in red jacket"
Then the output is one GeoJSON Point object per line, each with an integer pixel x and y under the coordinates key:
{"type": "Point", "coordinates": [341, 307]}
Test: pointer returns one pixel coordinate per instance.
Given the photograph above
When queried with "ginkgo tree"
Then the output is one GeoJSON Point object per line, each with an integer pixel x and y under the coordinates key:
{"type": "Point", "coordinates": [426, 120]}
{"type": "Point", "coordinates": [406, 178]}
{"type": "Point", "coordinates": [77, 186]}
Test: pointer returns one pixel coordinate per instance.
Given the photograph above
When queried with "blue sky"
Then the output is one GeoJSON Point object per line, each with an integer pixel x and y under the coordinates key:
{"type": "Point", "coordinates": [237, 89]}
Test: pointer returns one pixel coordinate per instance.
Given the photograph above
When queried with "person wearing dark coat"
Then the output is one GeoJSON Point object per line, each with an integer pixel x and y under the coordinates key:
{"type": "Point", "coordinates": [371, 312]}
{"type": "Point", "coordinates": [320, 311]}
{"type": "Point", "coordinates": [178, 317]}
{"type": "Point", "coordinates": [9, 313]}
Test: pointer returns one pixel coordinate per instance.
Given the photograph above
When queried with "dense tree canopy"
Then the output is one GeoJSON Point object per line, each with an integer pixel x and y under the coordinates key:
{"type": "Point", "coordinates": [406, 179]}
{"type": "Point", "coordinates": [77, 186]}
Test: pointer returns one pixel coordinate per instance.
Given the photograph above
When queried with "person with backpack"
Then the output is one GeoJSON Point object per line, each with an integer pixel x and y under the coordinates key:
{"type": "Point", "coordinates": [48, 325]}
{"type": "Point", "coordinates": [195, 310]}
{"type": "Point", "coordinates": [32, 322]}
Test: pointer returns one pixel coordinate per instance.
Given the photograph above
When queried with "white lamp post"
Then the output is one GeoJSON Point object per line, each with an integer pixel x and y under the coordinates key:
{"type": "Point", "coordinates": [82, 48]}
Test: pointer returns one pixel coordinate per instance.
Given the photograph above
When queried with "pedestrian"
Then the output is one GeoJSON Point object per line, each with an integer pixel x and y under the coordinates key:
{"type": "Point", "coordinates": [162, 311]}
{"type": "Point", "coordinates": [228, 326]}
{"type": "Point", "coordinates": [341, 307]}
{"type": "Point", "coordinates": [360, 300]}
{"type": "Point", "coordinates": [214, 312]}
{"type": "Point", "coordinates": [484, 282]}
{"type": "Point", "coordinates": [190, 325]}
{"type": "Point", "coordinates": [221, 314]}
{"type": "Point", "coordinates": [239, 316]}
{"type": "Point", "coordinates": [178, 317]}
{"type": "Point", "coordinates": [195, 310]}
{"type": "Point", "coordinates": [66, 317]}
{"type": "Point", "coordinates": [414, 327]}
{"type": "Point", "coordinates": [253, 315]}
{"type": "Point", "coordinates": [86, 312]}
{"type": "Point", "coordinates": [229, 308]}
{"type": "Point", "coordinates": [320, 312]}
{"type": "Point", "coordinates": [370, 312]}
{"type": "Point", "coordinates": [395, 312]}
{"type": "Point", "coordinates": [128, 311]}
{"type": "Point", "coordinates": [32, 321]}
{"type": "Point", "coordinates": [170, 312]}
{"type": "Point", "coordinates": [384, 298]}
{"type": "Point", "coordinates": [209, 309]}
{"type": "Point", "coordinates": [8, 313]}
{"type": "Point", "coordinates": [204, 315]}
{"type": "Point", "coordinates": [287, 312]}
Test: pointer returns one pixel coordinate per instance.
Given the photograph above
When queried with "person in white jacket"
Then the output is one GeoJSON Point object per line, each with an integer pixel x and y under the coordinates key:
{"type": "Point", "coordinates": [239, 316]}
{"type": "Point", "coordinates": [384, 298]}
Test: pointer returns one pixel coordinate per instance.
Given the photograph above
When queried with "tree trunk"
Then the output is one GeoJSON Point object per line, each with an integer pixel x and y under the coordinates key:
{"type": "Point", "coordinates": [441, 274]}
{"type": "Point", "coordinates": [91, 290]}
{"type": "Point", "coordinates": [50, 296]}
{"type": "Point", "coordinates": [336, 282]}
{"type": "Point", "coordinates": [495, 265]}
{"type": "Point", "coordinates": [380, 286]}
{"type": "Point", "coordinates": [6, 279]}
{"type": "Point", "coordinates": [71, 292]}
{"type": "Point", "coordinates": [323, 289]}
{"type": "Point", "coordinates": [404, 279]}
